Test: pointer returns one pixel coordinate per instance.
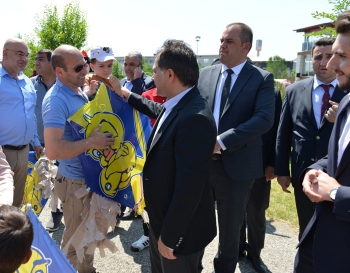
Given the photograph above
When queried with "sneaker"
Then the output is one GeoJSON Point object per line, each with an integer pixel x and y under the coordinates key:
{"type": "Point", "coordinates": [140, 244]}
{"type": "Point", "coordinates": [54, 221]}
{"type": "Point", "coordinates": [130, 215]}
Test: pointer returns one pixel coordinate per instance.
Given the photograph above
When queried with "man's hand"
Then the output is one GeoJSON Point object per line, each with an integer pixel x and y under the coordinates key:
{"type": "Point", "coordinates": [125, 93]}
{"type": "Point", "coordinates": [331, 113]}
{"type": "Point", "coordinates": [100, 140]}
{"type": "Point", "coordinates": [323, 185]}
{"type": "Point", "coordinates": [137, 72]}
{"type": "Point", "coordinates": [38, 150]}
{"type": "Point", "coordinates": [217, 147]}
{"type": "Point", "coordinates": [115, 84]}
{"type": "Point", "coordinates": [310, 179]}
{"type": "Point", "coordinates": [284, 182]}
{"type": "Point", "coordinates": [165, 251]}
{"type": "Point", "coordinates": [269, 173]}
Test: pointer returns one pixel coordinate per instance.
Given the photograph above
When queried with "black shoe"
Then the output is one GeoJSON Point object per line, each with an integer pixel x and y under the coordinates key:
{"type": "Point", "coordinates": [54, 222]}
{"type": "Point", "coordinates": [258, 264]}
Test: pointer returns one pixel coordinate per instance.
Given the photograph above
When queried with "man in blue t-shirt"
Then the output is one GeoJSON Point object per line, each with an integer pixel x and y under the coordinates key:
{"type": "Point", "coordinates": [63, 100]}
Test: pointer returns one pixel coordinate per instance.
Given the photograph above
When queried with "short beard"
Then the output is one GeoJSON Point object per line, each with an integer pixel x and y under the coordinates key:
{"type": "Point", "coordinates": [345, 86]}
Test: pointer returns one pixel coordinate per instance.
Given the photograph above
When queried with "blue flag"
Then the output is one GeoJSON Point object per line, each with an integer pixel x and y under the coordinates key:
{"type": "Point", "coordinates": [116, 171]}
{"type": "Point", "coordinates": [46, 256]}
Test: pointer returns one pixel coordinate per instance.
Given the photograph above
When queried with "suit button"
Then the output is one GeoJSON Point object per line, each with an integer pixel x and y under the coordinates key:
{"type": "Point", "coordinates": [318, 137]}
{"type": "Point", "coordinates": [312, 159]}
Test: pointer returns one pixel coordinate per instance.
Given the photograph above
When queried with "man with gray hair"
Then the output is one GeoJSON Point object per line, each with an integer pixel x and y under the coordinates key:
{"type": "Point", "coordinates": [136, 80]}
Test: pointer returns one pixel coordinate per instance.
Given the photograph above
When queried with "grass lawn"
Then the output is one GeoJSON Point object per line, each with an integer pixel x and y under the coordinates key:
{"type": "Point", "coordinates": [282, 205]}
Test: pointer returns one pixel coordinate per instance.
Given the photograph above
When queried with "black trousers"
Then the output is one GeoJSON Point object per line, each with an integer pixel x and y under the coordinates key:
{"type": "Point", "coordinates": [255, 220]}
{"type": "Point", "coordinates": [183, 263]}
{"type": "Point", "coordinates": [231, 199]}
{"type": "Point", "coordinates": [303, 262]}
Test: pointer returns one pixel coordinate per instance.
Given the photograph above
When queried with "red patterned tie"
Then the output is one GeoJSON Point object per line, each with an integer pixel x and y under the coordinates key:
{"type": "Point", "coordinates": [325, 99]}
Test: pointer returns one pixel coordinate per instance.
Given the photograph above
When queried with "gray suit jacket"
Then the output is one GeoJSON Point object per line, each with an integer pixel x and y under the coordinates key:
{"type": "Point", "coordinates": [248, 113]}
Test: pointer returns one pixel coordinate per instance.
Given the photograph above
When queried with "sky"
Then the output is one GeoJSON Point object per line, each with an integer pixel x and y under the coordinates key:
{"type": "Point", "coordinates": [127, 25]}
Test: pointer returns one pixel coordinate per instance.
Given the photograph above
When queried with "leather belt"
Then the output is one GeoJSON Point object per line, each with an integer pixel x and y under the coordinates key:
{"type": "Point", "coordinates": [216, 157]}
{"type": "Point", "coordinates": [17, 148]}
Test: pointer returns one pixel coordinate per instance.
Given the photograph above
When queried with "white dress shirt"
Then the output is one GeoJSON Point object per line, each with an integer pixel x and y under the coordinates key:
{"type": "Point", "coordinates": [317, 95]}
{"type": "Point", "coordinates": [236, 70]}
{"type": "Point", "coordinates": [345, 136]}
{"type": "Point", "coordinates": [169, 105]}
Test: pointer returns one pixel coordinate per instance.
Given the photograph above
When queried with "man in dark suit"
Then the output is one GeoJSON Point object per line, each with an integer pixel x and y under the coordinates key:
{"type": "Point", "coordinates": [136, 80]}
{"type": "Point", "coordinates": [304, 128]}
{"type": "Point", "coordinates": [255, 219]}
{"type": "Point", "coordinates": [179, 199]}
{"type": "Point", "coordinates": [324, 246]}
{"type": "Point", "coordinates": [242, 99]}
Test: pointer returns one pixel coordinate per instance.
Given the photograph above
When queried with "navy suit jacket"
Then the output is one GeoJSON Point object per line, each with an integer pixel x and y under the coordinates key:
{"type": "Point", "coordinates": [140, 85]}
{"type": "Point", "coordinates": [248, 113]}
{"type": "Point", "coordinates": [298, 129]}
{"type": "Point", "coordinates": [330, 224]}
{"type": "Point", "coordinates": [178, 193]}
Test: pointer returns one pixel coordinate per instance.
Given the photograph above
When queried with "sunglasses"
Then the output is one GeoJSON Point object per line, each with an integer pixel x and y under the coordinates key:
{"type": "Point", "coordinates": [80, 67]}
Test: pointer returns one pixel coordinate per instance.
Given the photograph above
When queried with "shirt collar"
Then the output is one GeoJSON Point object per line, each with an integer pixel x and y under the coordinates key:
{"type": "Point", "coordinates": [3, 72]}
{"type": "Point", "coordinates": [236, 69]}
{"type": "Point", "coordinates": [170, 104]}
{"type": "Point", "coordinates": [69, 90]}
{"type": "Point", "coordinates": [317, 82]}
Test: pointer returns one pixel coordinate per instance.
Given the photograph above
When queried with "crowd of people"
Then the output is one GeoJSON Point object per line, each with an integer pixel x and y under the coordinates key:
{"type": "Point", "coordinates": [220, 135]}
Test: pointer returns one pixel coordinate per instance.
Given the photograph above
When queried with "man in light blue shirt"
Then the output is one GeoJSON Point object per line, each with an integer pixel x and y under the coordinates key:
{"type": "Point", "coordinates": [63, 100]}
{"type": "Point", "coordinates": [17, 105]}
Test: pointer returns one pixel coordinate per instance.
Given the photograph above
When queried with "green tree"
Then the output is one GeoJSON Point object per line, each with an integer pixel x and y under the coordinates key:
{"type": "Point", "coordinates": [53, 30]}
{"type": "Point", "coordinates": [147, 68]}
{"type": "Point", "coordinates": [277, 66]}
{"type": "Point", "coordinates": [71, 28]}
{"type": "Point", "coordinates": [339, 7]}
{"type": "Point", "coordinates": [117, 72]}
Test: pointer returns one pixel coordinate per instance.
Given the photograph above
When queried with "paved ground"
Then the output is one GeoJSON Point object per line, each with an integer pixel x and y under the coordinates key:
{"type": "Point", "coordinates": [278, 254]}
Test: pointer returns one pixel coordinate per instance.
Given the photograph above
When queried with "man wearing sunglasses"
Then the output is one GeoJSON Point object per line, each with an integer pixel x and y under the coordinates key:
{"type": "Point", "coordinates": [17, 105]}
{"type": "Point", "coordinates": [63, 100]}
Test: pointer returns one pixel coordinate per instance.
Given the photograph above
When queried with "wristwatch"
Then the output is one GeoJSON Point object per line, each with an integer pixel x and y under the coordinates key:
{"type": "Point", "coordinates": [333, 193]}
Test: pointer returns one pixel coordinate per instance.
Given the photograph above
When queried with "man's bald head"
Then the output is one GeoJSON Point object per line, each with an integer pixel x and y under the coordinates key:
{"type": "Point", "coordinates": [13, 41]}
{"type": "Point", "coordinates": [15, 56]}
{"type": "Point", "coordinates": [61, 53]}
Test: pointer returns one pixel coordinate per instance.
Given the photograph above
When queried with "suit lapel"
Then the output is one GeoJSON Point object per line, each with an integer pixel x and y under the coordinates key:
{"type": "Point", "coordinates": [339, 126]}
{"type": "Point", "coordinates": [243, 77]}
{"type": "Point", "coordinates": [213, 82]}
{"type": "Point", "coordinates": [193, 92]}
{"type": "Point", "coordinates": [150, 139]}
{"type": "Point", "coordinates": [307, 99]}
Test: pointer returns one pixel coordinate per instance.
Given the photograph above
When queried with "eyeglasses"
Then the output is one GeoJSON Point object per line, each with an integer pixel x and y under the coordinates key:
{"type": "Point", "coordinates": [80, 67]}
{"type": "Point", "coordinates": [19, 54]}
{"type": "Point", "coordinates": [106, 49]}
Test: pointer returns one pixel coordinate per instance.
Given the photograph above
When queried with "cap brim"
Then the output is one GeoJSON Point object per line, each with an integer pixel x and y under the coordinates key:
{"type": "Point", "coordinates": [106, 58]}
